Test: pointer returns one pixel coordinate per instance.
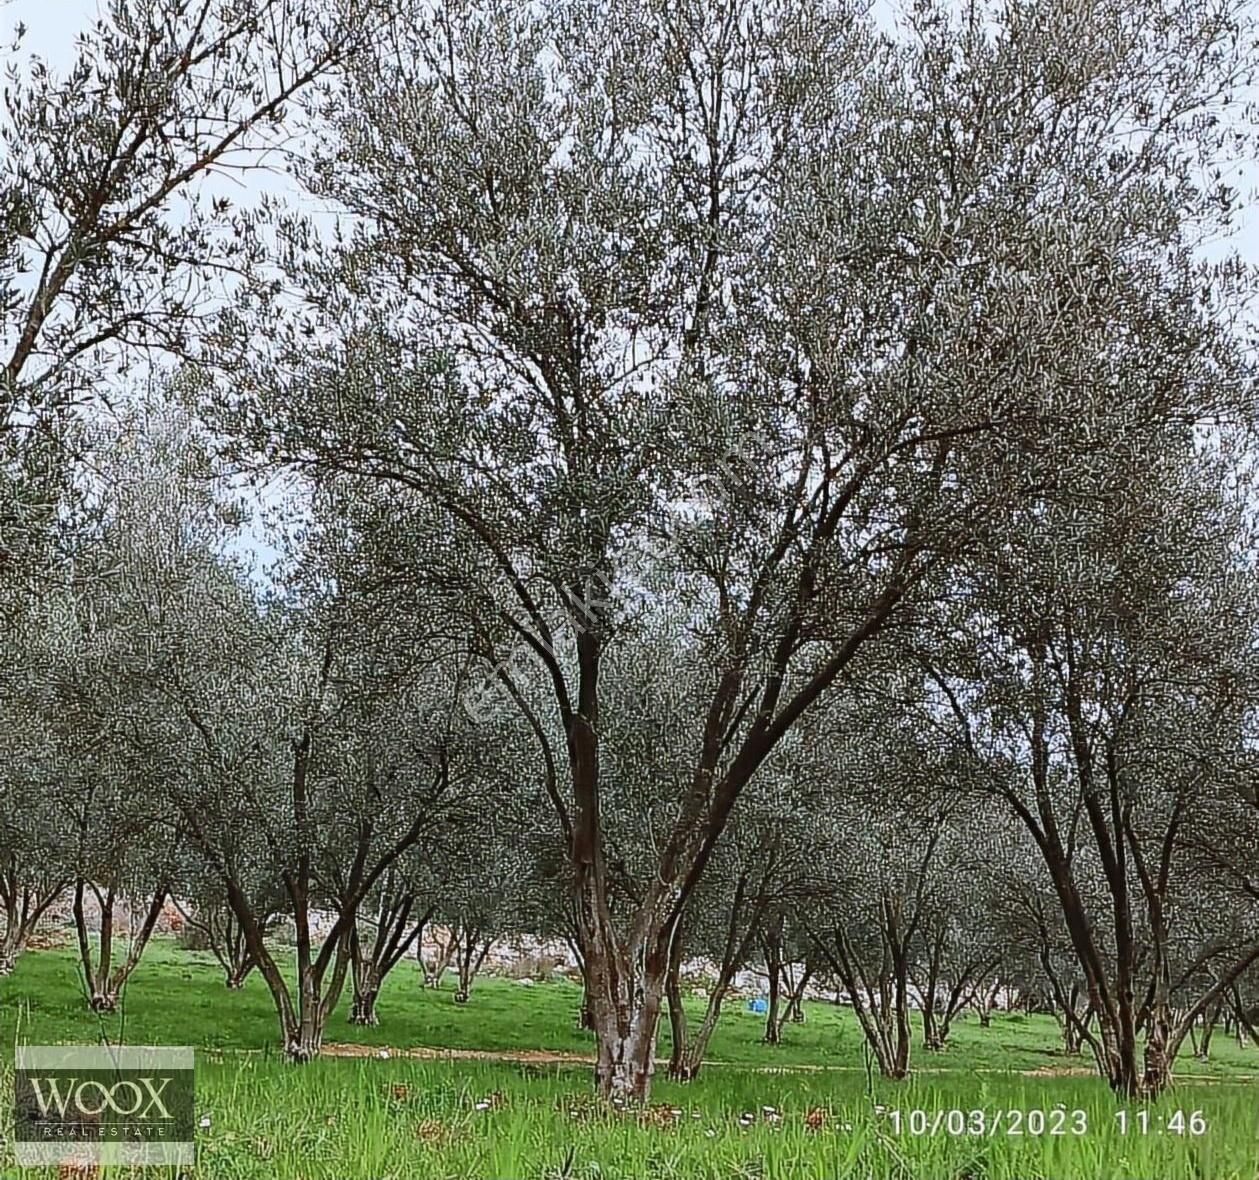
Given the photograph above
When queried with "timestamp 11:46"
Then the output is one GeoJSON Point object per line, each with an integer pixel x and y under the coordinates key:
{"type": "Point", "coordinates": [1174, 1122]}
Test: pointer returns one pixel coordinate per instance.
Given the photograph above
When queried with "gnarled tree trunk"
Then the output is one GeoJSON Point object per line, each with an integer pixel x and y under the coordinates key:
{"type": "Point", "coordinates": [366, 990]}
{"type": "Point", "coordinates": [885, 1024]}
{"type": "Point", "coordinates": [677, 1012]}
{"type": "Point", "coordinates": [793, 1009]}
{"type": "Point", "coordinates": [772, 945]}
{"type": "Point", "coordinates": [985, 1002]}
{"type": "Point", "coordinates": [435, 968]}
{"type": "Point", "coordinates": [472, 945]}
{"type": "Point", "coordinates": [393, 935]}
{"type": "Point", "coordinates": [932, 1039]}
{"type": "Point", "coordinates": [23, 905]}
{"type": "Point", "coordinates": [1210, 1018]}
{"type": "Point", "coordinates": [226, 939]}
{"type": "Point", "coordinates": [303, 1012]}
{"type": "Point", "coordinates": [626, 991]}
{"type": "Point", "coordinates": [103, 985]}
{"type": "Point", "coordinates": [744, 919]}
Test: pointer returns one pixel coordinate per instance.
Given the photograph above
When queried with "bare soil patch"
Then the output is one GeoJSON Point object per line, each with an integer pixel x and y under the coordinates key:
{"type": "Point", "coordinates": [520, 1056]}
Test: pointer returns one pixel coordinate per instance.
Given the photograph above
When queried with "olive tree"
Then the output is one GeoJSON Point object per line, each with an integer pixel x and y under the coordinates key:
{"type": "Point", "coordinates": [209, 921]}
{"type": "Point", "coordinates": [118, 229]}
{"type": "Point", "coordinates": [35, 866]}
{"type": "Point", "coordinates": [383, 933]}
{"type": "Point", "coordinates": [896, 806]}
{"type": "Point", "coordinates": [140, 513]}
{"type": "Point", "coordinates": [1114, 670]}
{"type": "Point", "coordinates": [797, 307]}
{"type": "Point", "coordinates": [320, 763]}
{"type": "Point", "coordinates": [958, 950]}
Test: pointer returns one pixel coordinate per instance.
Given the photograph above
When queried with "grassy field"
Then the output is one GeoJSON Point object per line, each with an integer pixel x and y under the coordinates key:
{"type": "Point", "coordinates": [803, 1109]}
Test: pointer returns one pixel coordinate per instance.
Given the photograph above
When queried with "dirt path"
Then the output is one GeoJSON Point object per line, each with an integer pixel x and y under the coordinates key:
{"type": "Point", "coordinates": [559, 1057]}
{"type": "Point", "coordinates": [519, 1056]}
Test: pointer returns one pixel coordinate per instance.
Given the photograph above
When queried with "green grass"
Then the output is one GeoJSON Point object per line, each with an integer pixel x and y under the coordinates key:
{"type": "Point", "coordinates": [410, 1119]}
{"type": "Point", "coordinates": [178, 997]}
{"type": "Point", "coordinates": [346, 1118]}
